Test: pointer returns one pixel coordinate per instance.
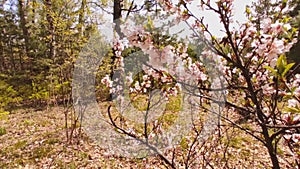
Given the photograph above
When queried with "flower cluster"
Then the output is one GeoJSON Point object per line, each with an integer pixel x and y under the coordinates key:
{"type": "Point", "coordinates": [268, 42]}
{"type": "Point", "coordinates": [168, 64]}
{"type": "Point", "coordinates": [292, 116]}
{"type": "Point", "coordinates": [107, 81]}
{"type": "Point", "coordinates": [250, 59]}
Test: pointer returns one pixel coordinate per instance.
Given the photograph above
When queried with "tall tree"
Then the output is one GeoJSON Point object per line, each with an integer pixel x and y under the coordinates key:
{"type": "Point", "coordinates": [23, 23]}
{"type": "Point", "coordinates": [52, 51]}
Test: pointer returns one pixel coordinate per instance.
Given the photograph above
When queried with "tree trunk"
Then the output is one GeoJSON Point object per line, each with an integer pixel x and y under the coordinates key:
{"type": "Point", "coordinates": [33, 12]}
{"type": "Point", "coordinates": [117, 16]}
{"type": "Point", "coordinates": [26, 35]}
{"type": "Point", "coordinates": [2, 58]}
{"type": "Point", "coordinates": [260, 115]}
{"type": "Point", "coordinates": [272, 153]}
{"type": "Point", "coordinates": [52, 52]}
{"type": "Point", "coordinates": [81, 17]}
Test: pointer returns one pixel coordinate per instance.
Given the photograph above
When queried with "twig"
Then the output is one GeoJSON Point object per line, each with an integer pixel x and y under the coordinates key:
{"type": "Point", "coordinates": [151, 147]}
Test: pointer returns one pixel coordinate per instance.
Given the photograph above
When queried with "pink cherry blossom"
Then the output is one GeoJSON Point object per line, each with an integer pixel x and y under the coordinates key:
{"type": "Point", "coordinates": [292, 103]}
{"type": "Point", "coordinates": [129, 79]}
{"type": "Point", "coordinates": [106, 80]}
{"type": "Point", "coordinates": [296, 137]}
{"type": "Point", "coordinates": [268, 90]}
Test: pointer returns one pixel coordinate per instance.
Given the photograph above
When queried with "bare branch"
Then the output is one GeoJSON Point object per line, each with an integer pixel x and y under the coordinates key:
{"type": "Point", "coordinates": [151, 147]}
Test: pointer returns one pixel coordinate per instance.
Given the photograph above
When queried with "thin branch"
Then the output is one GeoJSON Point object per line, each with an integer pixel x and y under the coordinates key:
{"type": "Point", "coordinates": [146, 118]}
{"type": "Point", "coordinates": [238, 126]}
{"type": "Point", "coordinates": [151, 147]}
{"type": "Point", "coordinates": [283, 126]}
{"type": "Point", "coordinates": [129, 10]}
{"type": "Point", "coordinates": [101, 7]}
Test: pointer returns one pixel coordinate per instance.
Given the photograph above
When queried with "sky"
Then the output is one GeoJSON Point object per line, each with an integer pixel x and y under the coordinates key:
{"type": "Point", "coordinates": [210, 18]}
{"type": "Point", "coordinates": [213, 21]}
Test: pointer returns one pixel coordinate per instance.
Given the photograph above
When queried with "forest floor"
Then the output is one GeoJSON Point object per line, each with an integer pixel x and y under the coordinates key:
{"type": "Point", "coordinates": [37, 139]}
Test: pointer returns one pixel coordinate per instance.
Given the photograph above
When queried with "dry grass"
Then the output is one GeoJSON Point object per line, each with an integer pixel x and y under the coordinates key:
{"type": "Point", "coordinates": [36, 139]}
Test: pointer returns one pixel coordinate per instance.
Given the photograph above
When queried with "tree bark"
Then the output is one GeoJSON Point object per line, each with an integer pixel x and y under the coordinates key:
{"type": "Point", "coordinates": [2, 58]}
{"type": "Point", "coordinates": [26, 35]}
{"type": "Point", "coordinates": [81, 17]}
{"type": "Point", "coordinates": [52, 52]}
{"type": "Point", "coordinates": [262, 121]}
{"type": "Point", "coordinates": [271, 149]}
{"type": "Point", "coordinates": [117, 16]}
{"type": "Point", "coordinates": [33, 12]}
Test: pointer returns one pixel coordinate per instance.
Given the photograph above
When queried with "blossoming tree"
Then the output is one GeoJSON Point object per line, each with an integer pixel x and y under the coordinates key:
{"type": "Point", "coordinates": [250, 62]}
